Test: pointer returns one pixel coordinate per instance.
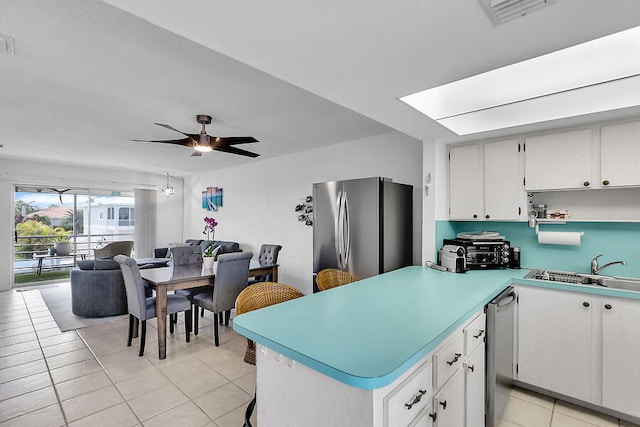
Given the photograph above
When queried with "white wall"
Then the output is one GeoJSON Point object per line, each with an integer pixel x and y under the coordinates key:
{"type": "Point", "coordinates": [259, 198]}
{"type": "Point", "coordinates": [170, 211]}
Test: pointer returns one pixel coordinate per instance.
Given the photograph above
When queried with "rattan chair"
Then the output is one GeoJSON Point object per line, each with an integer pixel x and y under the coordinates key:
{"type": "Point", "coordinates": [257, 296]}
{"type": "Point", "coordinates": [332, 277]}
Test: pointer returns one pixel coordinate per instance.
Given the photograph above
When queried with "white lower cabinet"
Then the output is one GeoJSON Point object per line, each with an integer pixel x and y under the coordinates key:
{"type": "Point", "coordinates": [583, 346]}
{"type": "Point", "coordinates": [621, 355]}
{"type": "Point", "coordinates": [474, 383]}
{"type": "Point", "coordinates": [434, 392]}
{"type": "Point", "coordinates": [449, 402]}
{"type": "Point", "coordinates": [555, 340]}
{"type": "Point", "coordinates": [425, 419]}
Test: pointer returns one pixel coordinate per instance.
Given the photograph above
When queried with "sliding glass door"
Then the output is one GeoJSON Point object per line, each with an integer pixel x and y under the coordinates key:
{"type": "Point", "coordinates": [55, 227]}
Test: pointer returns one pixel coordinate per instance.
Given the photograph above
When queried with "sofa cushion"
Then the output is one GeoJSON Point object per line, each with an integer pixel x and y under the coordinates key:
{"type": "Point", "coordinates": [86, 264]}
{"type": "Point", "coordinates": [193, 242]}
{"type": "Point", "coordinates": [106, 264]}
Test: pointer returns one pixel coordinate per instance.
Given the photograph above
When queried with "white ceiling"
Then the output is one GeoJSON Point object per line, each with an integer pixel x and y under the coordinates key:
{"type": "Point", "coordinates": [296, 74]}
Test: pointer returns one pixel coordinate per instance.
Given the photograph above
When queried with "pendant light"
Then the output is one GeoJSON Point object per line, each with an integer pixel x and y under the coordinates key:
{"type": "Point", "coordinates": [167, 190]}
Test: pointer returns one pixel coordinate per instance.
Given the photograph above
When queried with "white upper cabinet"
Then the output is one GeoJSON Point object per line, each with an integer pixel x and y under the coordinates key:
{"type": "Point", "coordinates": [484, 181]}
{"type": "Point", "coordinates": [620, 155]}
{"type": "Point", "coordinates": [466, 188]}
{"type": "Point", "coordinates": [502, 183]}
{"type": "Point", "coordinates": [558, 161]}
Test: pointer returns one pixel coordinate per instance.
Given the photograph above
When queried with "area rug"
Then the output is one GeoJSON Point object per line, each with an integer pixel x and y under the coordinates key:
{"type": "Point", "coordinates": [58, 299]}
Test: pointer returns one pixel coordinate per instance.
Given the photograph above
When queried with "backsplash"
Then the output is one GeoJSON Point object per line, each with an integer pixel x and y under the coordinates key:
{"type": "Point", "coordinates": [616, 240]}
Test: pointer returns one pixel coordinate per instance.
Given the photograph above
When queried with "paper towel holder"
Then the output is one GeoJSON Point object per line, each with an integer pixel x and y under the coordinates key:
{"type": "Point", "coordinates": [537, 223]}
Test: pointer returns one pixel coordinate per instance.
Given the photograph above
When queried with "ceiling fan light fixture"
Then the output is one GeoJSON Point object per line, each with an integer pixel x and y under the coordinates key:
{"type": "Point", "coordinates": [167, 190]}
{"type": "Point", "coordinates": [203, 144]}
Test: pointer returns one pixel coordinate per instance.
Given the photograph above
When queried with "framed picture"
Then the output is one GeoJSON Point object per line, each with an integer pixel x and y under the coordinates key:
{"type": "Point", "coordinates": [212, 198]}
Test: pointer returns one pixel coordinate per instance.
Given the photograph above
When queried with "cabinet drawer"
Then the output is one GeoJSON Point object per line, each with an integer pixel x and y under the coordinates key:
{"type": "Point", "coordinates": [448, 359]}
{"type": "Point", "coordinates": [474, 334]}
{"type": "Point", "coordinates": [406, 401]}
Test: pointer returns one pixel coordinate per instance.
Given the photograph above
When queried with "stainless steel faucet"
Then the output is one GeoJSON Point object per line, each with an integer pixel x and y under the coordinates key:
{"type": "Point", "coordinates": [595, 269]}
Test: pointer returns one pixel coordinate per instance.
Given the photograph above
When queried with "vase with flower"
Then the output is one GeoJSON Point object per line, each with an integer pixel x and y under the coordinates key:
{"type": "Point", "coordinates": [209, 254]}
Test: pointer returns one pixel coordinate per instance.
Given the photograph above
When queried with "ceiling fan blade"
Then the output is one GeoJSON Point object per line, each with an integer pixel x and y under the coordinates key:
{"type": "Point", "coordinates": [186, 142]}
{"type": "Point", "coordinates": [171, 128]}
{"type": "Point", "coordinates": [196, 154]}
{"type": "Point", "coordinates": [234, 150]}
{"type": "Point", "coordinates": [232, 140]}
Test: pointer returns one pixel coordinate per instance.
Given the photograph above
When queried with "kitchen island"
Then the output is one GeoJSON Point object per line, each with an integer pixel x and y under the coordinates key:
{"type": "Point", "coordinates": [369, 336]}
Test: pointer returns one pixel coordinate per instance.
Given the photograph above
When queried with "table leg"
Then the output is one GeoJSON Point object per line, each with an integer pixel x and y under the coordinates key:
{"type": "Point", "coordinates": [161, 311]}
{"type": "Point", "coordinates": [274, 273]}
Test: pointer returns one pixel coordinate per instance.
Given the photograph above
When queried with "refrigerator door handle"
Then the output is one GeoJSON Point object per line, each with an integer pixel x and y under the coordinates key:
{"type": "Point", "coordinates": [346, 230]}
{"type": "Point", "coordinates": [338, 228]}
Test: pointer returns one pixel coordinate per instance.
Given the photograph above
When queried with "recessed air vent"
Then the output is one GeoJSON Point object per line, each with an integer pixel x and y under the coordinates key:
{"type": "Point", "coordinates": [501, 11]}
{"type": "Point", "coordinates": [6, 45]}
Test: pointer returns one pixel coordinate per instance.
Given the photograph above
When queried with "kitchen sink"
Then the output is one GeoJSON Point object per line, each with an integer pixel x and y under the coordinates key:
{"type": "Point", "coordinates": [585, 279]}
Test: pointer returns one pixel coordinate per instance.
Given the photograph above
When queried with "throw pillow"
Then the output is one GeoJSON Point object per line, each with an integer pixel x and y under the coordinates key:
{"type": "Point", "coordinates": [106, 264]}
{"type": "Point", "coordinates": [85, 264]}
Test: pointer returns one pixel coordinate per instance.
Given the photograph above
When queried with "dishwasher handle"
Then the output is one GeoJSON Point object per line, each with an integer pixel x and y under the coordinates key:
{"type": "Point", "coordinates": [505, 300]}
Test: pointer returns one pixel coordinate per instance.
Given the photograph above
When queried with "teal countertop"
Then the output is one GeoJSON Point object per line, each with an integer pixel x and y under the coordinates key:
{"type": "Point", "coordinates": [366, 334]}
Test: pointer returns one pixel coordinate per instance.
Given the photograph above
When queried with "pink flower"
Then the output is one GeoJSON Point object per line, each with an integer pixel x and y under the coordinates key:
{"type": "Point", "coordinates": [209, 225]}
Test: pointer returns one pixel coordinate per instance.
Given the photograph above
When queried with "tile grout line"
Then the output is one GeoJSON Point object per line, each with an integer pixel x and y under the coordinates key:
{"type": "Point", "coordinates": [44, 357]}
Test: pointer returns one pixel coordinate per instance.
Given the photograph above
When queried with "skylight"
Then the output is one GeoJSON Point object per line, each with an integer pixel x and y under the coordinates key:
{"type": "Point", "coordinates": [595, 76]}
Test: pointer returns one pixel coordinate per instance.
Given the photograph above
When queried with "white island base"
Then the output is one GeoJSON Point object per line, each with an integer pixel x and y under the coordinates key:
{"type": "Point", "coordinates": [292, 394]}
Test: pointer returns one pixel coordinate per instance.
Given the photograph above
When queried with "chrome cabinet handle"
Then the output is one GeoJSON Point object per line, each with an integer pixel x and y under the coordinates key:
{"type": "Point", "coordinates": [454, 360]}
{"type": "Point", "coordinates": [417, 398]}
{"type": "Point", "coordinates": [479, 334]}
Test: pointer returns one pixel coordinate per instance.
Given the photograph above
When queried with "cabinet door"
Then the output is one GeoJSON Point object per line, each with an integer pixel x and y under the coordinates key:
{"type": "Point", "coordinates": [449, 403]}
{"type": "Point", "coordinates": [558, 161]}
{"type": "Point", "coordinates": [502, 182]}
{"type": "Point", "coordinates": [466, 191]}
{"type": "Point", "coordinates": [621, 355]}
{"type": "Point", "coordinates": [620, 155]}
{"type": "Point", "coordinates": [474, 388]}
{"type": "Point", "coordinates": [426, 419]}
{"type": "Point", "coordinates": [555, 349]}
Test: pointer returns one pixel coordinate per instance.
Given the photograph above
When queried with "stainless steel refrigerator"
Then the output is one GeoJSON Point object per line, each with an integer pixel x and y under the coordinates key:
{"type": "Point", "coordinates": [363, 226]}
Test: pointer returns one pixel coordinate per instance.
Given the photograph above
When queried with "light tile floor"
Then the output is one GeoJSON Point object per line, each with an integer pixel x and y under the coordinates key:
{"type": "Point", "coordinates": [529, 409]}
{"type": "Point", "coordinates": [90, 378]}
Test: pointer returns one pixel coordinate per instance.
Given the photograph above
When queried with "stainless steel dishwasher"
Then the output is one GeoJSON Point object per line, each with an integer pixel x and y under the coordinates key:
{"type": "Point", "coordinates": [500, 333]}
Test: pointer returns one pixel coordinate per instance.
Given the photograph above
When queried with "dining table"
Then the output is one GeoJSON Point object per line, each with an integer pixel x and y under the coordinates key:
{"type": "Point", "coordinates": [166, 279]}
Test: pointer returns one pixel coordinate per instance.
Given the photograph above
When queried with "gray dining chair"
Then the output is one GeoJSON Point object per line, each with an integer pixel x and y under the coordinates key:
{"type": "Point", "coordinates": [231, 278]}
{"type": "Point", "coordinates": [268, 255]}
{"type": "Point", "coordinates": [181, 255]}
{"type": "Point", "coordinates": [143, 308]}
{"type": "Point", "coordinates": [186, 255]}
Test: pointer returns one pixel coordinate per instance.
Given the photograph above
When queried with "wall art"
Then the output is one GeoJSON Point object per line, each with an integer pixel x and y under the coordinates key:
{"type": "Point", "coordinates": [212, 198]}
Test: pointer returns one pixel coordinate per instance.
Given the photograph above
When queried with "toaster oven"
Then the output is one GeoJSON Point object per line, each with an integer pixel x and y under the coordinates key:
{"type": "Point", "coordinates": [484, 254]}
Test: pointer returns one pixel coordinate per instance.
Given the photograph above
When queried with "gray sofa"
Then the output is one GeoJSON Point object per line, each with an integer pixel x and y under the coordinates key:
{"type": "Point", "coordinates": [97, 289]}
{"type": "Point", "coordinates": [226, 247]}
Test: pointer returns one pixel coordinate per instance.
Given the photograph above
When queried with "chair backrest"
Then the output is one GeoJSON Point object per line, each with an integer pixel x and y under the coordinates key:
{"type": "Point", "coordinates": [269, 254]}
{"type": "Point", "coordinates": [122, 247]}
{"type": "Point", "coordinates": [232, 274]}
{"type": "Point", "coordinates": [182, 255]}
{"type": "Point", "coordinates": [134, 285]}
{"type": "Point", "coordinates": [332, 277]}
{"type": "Point", "coordinates": [264, 294]}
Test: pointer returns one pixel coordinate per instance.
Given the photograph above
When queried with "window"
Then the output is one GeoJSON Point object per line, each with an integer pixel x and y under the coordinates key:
{"type": "Point", "coordinates": [125, 216]}
{"type": "Point", "coordinates": [101, 215]}
{"type": "Point", "coordinates": [111, 213]}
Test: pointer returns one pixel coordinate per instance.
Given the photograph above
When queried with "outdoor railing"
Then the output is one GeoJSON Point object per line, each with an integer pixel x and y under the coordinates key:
{"type": "Point", "coordinates": [82, 245]}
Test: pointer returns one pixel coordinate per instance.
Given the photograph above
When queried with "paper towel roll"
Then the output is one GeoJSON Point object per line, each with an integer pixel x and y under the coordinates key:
{"type": "Point", "coordinates": [560, 237]}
